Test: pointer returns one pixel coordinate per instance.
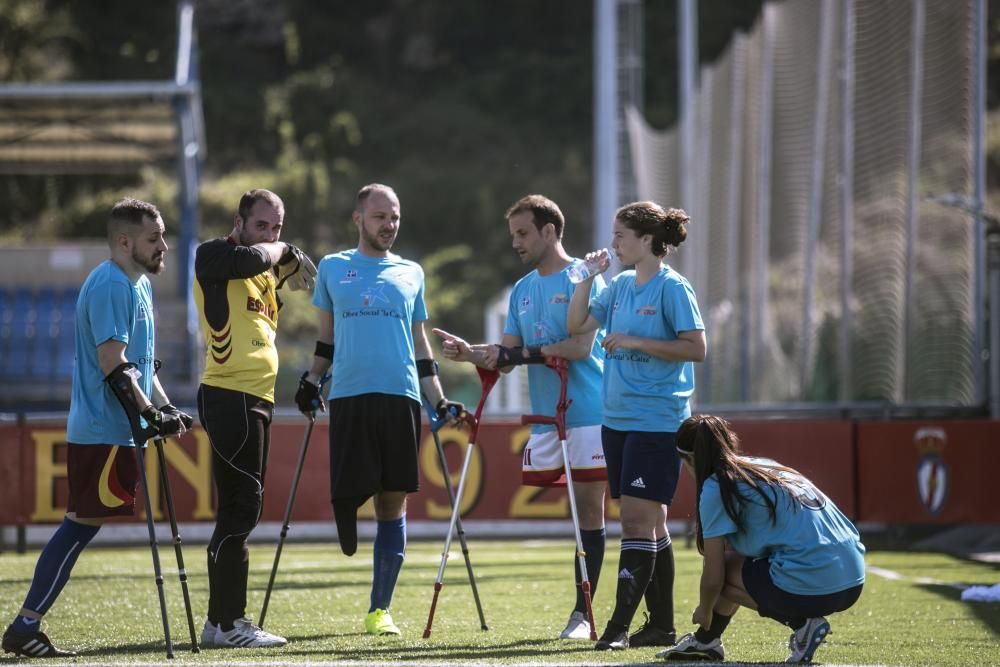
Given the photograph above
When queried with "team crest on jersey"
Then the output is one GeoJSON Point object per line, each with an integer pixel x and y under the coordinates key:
{"type": "Point", "coordinates": [646, 310]}
{"type": "Point", "coordinates": [614, 308]}
{"type": "Point", "coordinates": [932, 471]}
{"type": "Point", "coordinates": [374, 295]}
{"type": "Point", "coordinates": [349, 276]}
{"type": "Point", "coordinates": [559, 298]}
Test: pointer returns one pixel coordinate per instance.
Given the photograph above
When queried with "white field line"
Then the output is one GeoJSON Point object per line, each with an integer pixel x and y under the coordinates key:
{"type": "Point", "coordinates": [927, 581]}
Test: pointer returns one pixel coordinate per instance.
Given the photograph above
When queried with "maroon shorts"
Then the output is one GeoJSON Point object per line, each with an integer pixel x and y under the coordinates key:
{"type": "Point", "coordinates": [102, 480]}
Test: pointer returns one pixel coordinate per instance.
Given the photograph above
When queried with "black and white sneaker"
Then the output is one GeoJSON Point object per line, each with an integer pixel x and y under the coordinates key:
{"type": "Point", "coordinates": [32, 645]}
{"type": "Point", "coordinates": [243, 635]}
{"type": "Point", "coordinates": [615, 638]}
{"type": "Point", "coordinates": [689, 648]}
{"type": "Point", "coordinates": [651, 635]}
{"type": "Point", "coordinates": [804, 641]}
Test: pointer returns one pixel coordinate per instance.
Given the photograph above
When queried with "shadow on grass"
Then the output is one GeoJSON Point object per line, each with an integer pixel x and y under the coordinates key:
{"type": "Point", "coordinates": [987, 612]}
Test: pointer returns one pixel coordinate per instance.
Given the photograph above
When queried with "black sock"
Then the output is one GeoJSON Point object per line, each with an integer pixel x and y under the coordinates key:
{"type": "Point", "coordinates": [715, 630]}
{"type": "Point", "coordinates": [796, 623]}
{"type": "Point", "coordinates": [593, 546]}
{"type": "Point", "coordinates": [660, 592]}
{"type": "Point", "coordinates": [635, 567]}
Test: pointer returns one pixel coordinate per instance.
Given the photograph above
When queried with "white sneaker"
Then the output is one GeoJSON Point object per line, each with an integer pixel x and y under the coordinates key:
{"type": "Point", "coordinates": [578, 627]}
{"type": "Point", "coordinates": [243, 635]}
{"type": "Point", "coordinates": [689, 648]}
{"type": "Point", "coordinates": [804, 641]}
{"type": "Point", "coordinates": [208, 634]}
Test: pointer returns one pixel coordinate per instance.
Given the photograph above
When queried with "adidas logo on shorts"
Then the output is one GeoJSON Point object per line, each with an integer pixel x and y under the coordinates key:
{"type": "Point", "coordinates": [625, 574]}
{"type": "Point", "coordinates": [638, 483]}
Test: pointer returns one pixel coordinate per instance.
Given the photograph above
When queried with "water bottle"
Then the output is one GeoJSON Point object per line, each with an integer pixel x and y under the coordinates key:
{"type": "Point", "coordinates": [583, 269]}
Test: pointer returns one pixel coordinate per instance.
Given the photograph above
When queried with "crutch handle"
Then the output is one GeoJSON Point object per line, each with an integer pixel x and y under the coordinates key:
{"type": "Point", "coordinates": [561, 367]}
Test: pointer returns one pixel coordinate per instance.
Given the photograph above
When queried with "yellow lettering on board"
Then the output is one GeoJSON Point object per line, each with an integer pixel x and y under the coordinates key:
{"type": "Point", "coordinates": [431, 466]}
{"type": "Point", "coordinates": [47, 473]}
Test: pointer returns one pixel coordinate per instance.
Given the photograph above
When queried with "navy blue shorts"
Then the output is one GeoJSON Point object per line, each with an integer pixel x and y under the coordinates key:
{"type": "Point", "coordinates": [782, 606]}
{"type": "Point", "coordinates": [641, 464]}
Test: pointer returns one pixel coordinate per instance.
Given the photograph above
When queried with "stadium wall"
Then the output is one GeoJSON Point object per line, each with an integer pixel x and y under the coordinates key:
{"type": "Point", "coordinates": [886, 473]}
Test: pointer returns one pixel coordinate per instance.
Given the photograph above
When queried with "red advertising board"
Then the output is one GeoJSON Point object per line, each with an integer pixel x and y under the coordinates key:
{"type": "Point", "coordinates": [882, 472]}
{"type": "Point", "coordinates": [928, 472]}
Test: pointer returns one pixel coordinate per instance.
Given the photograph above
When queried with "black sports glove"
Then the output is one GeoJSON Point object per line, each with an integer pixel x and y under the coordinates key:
{"type": "Point", "coordinates": [164, 423]}
{"type": "Point", "coordinates": [514, 356]}
{"type": "Point", "coordinates": [308, 397]}
{"type": "Point", "coordinates": [453, 409]}
{"type": "Point", "coordinates": [186, 419]}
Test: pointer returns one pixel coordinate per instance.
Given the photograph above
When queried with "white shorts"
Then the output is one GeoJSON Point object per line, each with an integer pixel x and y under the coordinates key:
{"type": "Point", "coordinates": [542, 463]}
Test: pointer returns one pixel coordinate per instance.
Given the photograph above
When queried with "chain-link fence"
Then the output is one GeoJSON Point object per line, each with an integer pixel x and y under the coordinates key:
{"type": "Point", "coordinates": [825, 272]}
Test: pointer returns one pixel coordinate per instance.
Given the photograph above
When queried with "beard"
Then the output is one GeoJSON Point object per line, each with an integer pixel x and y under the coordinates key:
{"type": "Point", "coordinates": [152, 264]}
{"type": "Point", "coordinates": [377, 241]}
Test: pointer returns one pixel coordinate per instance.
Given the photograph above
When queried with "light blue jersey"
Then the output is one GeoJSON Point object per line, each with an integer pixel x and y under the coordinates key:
{"type": "Point", "coordinates": [813, 548]}
{"type": "Point", "coordinates": [374, 301]}
{"type": "Point", "coordinates": [643, 392]}
{"type": "Point", "coordinates": [110, 307]}
{"type": "Point", "coordinates": [537, 314]}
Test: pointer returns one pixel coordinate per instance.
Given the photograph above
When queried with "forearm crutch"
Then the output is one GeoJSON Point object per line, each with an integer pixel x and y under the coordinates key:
{"type": "Point", "coordinates": [561, 367]}
{"type": "Point", "coordinates": [289, 506]}
{"type": "Point", "coordinates": [172, 515]}
{"type": "Point", "coordinates": [140, 440]}
{"type": "Point", "coordinates": [487, 379]}
{"type": "Point", "coordinates": [435, 425]}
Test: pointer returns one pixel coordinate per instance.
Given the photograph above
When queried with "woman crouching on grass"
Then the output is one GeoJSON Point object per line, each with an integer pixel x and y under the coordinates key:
{"type": "Point", "coordinates": [771, 541]}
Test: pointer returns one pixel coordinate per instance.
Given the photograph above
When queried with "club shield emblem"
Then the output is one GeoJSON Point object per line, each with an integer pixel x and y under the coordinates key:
{"type": "Point", "coordinates": [932, 471]}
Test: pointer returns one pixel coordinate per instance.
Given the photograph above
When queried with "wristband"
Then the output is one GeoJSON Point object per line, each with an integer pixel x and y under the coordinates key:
{"type": "Point", "coordinates": [426, 368]}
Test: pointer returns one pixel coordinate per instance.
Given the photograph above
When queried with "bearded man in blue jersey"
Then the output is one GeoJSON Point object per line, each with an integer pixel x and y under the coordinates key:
{"type": "Point", "coordinates": [371, 329]}
{"type": "Point", "coordinates": [536, 328]}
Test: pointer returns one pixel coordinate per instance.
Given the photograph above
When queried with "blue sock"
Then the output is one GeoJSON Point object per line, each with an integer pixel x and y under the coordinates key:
{"type": "Point", "coordinates": [390, 548]}
{"type": "Point", "coordinates": [593, 546]}
{"type": "Point", "coordinates": [52, 570]}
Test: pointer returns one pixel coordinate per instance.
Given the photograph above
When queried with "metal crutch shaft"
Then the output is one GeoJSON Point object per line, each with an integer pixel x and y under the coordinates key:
{"type": "Point", "coordinates": [172, 515]}
{"type": "Point", "coordinates": [435, 425]}
{"type": "Point", "coordinates": [288, 516]}
{"type": "Point", "coordinates": [561, 367]}
{"type": "Point", "coordinates": [487, 379]}
{"type": "Point", "coordinates": [158, 573]}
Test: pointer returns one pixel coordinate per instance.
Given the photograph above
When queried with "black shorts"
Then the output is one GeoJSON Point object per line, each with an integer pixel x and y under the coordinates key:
{"type": "Point", "coordinates": [641, 464]}
{"type": "Point", "coordinates": [373, 445]}
{"type": "Point", "coordinates": [773, 602]}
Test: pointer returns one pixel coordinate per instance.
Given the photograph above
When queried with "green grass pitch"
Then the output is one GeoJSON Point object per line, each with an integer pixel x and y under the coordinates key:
{"type": "Point", "coordinates": [109, 614]}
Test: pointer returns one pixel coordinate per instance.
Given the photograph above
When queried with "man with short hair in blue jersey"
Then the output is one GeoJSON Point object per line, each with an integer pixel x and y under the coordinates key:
{"type": "Point", "coordinates": [113, 383]}
{"type": "Point", "coordinates": [771, 541]}
{"type": "Point", "coordinates": [536, 323]}
{"type": "Point", "coordinates": [654, 333]}
{"type": "Point", "coordinates": [371, 329]}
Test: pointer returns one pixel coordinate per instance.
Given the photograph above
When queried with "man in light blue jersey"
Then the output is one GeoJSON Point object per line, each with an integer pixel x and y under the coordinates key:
{"type": "Point", "coordinates": [371, 328]}
{"type": "Point", "coordinates": [115, 351]}
{"type": "Point", "coordinates": [771, 542]}
{"type": "Point", "coordinates": [536, 328]}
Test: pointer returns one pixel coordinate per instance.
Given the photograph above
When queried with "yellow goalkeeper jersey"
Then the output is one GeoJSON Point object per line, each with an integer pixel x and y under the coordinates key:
{"type": "Point", "coordinates": [235, 293]}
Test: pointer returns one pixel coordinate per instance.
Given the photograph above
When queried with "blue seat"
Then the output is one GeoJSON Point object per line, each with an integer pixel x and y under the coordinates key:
{"type": "Point", "coordinates": [23, 306]}
{"type": "Point", "coordinates": [65, 341]}
{"type": "Point", "coordinates": [65, 346]}
{"type": "Point", "coordinates": [19, 331]}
